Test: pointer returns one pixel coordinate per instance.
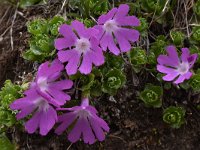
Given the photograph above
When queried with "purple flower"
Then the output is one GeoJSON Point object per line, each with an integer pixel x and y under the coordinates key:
{"type": "Point", "coordinates": [113, 30]}
{"type": "Point", "coordinates": [175, 68]}
{"type": "Point", "coordinates": [87, 123]}
{"type": "Point", "coordinates": [47, 86]}
{"type": "Point", "coordinates": [44, 116]}
{"type": "Point", "coordinates": [79, 48]}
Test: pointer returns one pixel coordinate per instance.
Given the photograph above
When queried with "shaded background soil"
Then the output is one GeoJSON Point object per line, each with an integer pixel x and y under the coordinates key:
{"type": "Point", "coordinates": [132, 125]}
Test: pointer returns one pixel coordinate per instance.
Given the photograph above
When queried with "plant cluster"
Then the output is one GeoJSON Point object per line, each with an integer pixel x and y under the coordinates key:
{"type": "Point", "coordinates": [88, 57]}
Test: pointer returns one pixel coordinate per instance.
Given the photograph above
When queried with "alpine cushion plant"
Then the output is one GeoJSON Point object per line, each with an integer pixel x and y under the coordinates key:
{"type": "Point", "coordinates": [85, 123]}
{"type": "Point", "coordinates": [174, 116]}
{"type": "Point", "coordinates": [44, 94]}
{"type": "Point", "coordinates": [113, 30]}
{"type": "Point", "coordinates": [152, 96]}
{"type": "Point", "coordinates": [79, 43]}
{"type": "Point", "coordinates": [176, 69]}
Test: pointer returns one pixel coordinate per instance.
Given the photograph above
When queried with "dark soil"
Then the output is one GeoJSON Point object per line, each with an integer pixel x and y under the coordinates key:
{"type": "Point", "coordinates": [132, 125]}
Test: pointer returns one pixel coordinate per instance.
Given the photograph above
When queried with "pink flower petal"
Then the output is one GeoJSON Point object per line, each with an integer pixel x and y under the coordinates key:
{"type": "Point", "coordinates": [185, 54]}
{"type": "Point", "coordinates": [102, 123]}
{"type": "Point", "coordinates": [167, 70]}
{"type": "Point", "coordinates": [47, 120]}
{"type": "Point", "coordinates": [67, 119]}
{"type": "Point", "coordinates": [105, 41]}
{"type": "Point", "coordinates": [170, 77]}
{"type": "Point", "coordinates": [192, 59]}
{"type": "Point", "coordinates": [124, 44]}
{"type": "Point", "coordinates": [167, 61]}
{"type": "Point", "coordinates": [171, 50]}
{"type": "Point", "coordinates": [47, 69]}
{"type": "Point", "coordinates": [86, 65]}
{"type": "Point", "coordinates": [59, 96]}
{"type": "Point", "coordinates": [73, 63]}
{"type": "Point", "coordinates": [66, 31]}
{"type": "Point", "coordinates": [88, 136]}
{"type": "Point", "coordinates": [33, 123]}
{"type": "Point", "coordinates": [61, 85]}
{"type": "Point", "coordinates": [128, 21]}
{"type": "Point", "coordinates": [130, 34]}
{"type": "Point", "coordinates": [25, 111]}
{"type": "Point", "coordinates": [62, 43]}
{"type": "Point", "coordinates": [97, 129]}
{"type": "Point", "coordinates": [21, 103]}
{"type": "Point", "coordinates": [96, 55]}
{"type": "Point", "coordinates": [181, 78]}
{"type": "Point", "coordinates": [80, 28]}
{"type": "Point", "coordinates": [113, 48]}
{"type": "Point", "coordinates": [65, 56]}
{"type": "Point", "coordinates": [122, 11]}
{"type": "Point", "coordinates": [75, 133]}
{"type": "Point", "coordinates": [105, 17]}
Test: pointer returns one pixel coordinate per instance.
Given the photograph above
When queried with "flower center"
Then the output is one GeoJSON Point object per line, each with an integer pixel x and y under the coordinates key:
{"type": "Point", "coordinates": [110, 26]}
{"type": "Point", "coordinates": [83, 113]}
{"type": "Point", "coordinates": [183, 68]}
{"type": "Point", "coordinates": [42, 83]}
{"type": "Point", "coordinates": [83, 45]}
{"type": "Point", "coordinates": [42, 105]}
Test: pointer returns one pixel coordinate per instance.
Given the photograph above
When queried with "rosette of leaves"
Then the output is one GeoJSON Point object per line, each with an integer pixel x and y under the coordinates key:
{"type": "Point", "coordinates": [8, 94]}
{"type": "Point", "coordinates": [196, 34]}
{"type": "Point", "coordinates": [41, 47]}
{"type": "Point", "coordinates": [177, 37]}
{"type": "Point", "coordinates": [174, 116]}
{"type": "Point", "coordinates": [54, 24]}
{"type": "Point", "coordinates": [194, 83]}
{"type": "Point", "coordinates": [43, 32]}
{"type": "Point", "coordinates": [38, 26]}
{"type": "Point", "coordinates": [138, 59]}
{"type": "Point", "coordinates": [197, 8]}
{"type": "Point", "coordinates": [113, 80]}
{"type": "Point", "coordinates": [152, 96]}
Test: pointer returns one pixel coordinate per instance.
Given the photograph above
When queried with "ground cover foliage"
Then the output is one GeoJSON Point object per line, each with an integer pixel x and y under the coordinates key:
{"type": "Point", "coordinates": [142, 110]}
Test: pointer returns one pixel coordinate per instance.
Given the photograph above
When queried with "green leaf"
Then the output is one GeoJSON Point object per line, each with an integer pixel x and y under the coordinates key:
{"type": "Point", "coordinates": [143, 27]}
{"type": "Point", "coordinates": [54, 24]}
{"type": "Point", "coordinates": [177, 37]}
{"type": "Point", "coordinates": [112, 81]}
{"type": "Point", "coordinates": [151, 96]}
{"type": "Point", "coordinates": [153, 6]}
{"type": "Point", "coordinates": [174, 116]}
{"type": "Point", "coordinates": [138, 57]}
{"type": "Point", "coordinates": [113, 61]}
{"type": "Point", "coordinates": [87, 81]}
{"type": "Point", "coordinates": [95, 89]}
{"type": "Point", "coordinates": [194, 82]}
{"type": "Point", "coordinates": [196, 8]}
{"type": "Point", "coordinates": [8, 94]}
{"type": "Point", "coordinates": [5, 143]}
{"type": "Point", "coordinates": [196, 34]}
{"type": "Point", "coordinates": [38, 26]}
{"type": "Point", "coordinates": [26, 3]}
{"type": "Point", "coordinates": [44, 43]}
